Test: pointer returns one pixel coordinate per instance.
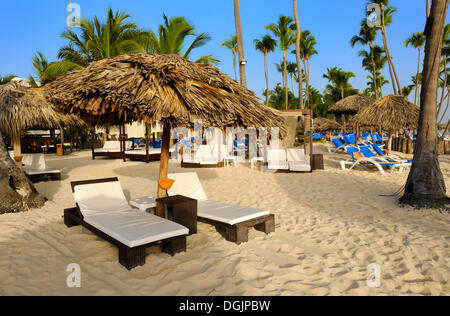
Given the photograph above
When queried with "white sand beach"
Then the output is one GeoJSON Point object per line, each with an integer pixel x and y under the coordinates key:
{"type": "Point", "coordinates": [330, 225]}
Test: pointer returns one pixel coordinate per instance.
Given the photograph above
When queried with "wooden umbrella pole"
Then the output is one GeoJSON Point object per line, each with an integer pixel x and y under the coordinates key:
{"type": "Point", "coordinates": [17, 146]}
{"type": "Point", "coordinates": [164, 166]}
{"type": "Point", "coordinates": [92, 142]}
{"type": "Point", "coordinates": [146, 143]}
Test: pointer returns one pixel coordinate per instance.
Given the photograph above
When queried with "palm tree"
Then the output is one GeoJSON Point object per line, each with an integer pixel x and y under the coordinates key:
{"type": "Point", "coordinates": [307, 50]}
{"type": "Point", "coordinates": [284, 31]}
{"type": "Point", "coordinates": [339, 79]}
{"type": "Point", "coordinates": [406, 91]}
{"type": "Point", "coordinates": [298, 39]}
{"type": "Point", "coordinates": [266, 45]}
{"type": "Point", "coordinates": [425, 186]}
{"type": "Point", "coordinates": [6, 79]}
{"type": "Point", "coordinates": [171, 39]}
{"type": "Point", "coordinates": [381, 81]}
{"type": "Point", "coordinates": [242, 62]}
{"type": "Point", "coordinates": [292, 71]}
{"type": "Point", "coordinates": [386, 19]}
{"type": "Point", "coordinates": [444, 71]}
{"type": "Point", "coordinates": [367, 36]}
{"type": "Point", "coordinates": [277, 98]}
{"type": "Point", "coordinates": [232, 45]}
{"type": "Point", "coordinates": [417, 40]}
{"type": "Point", "coordinates": [375, 59]}
{"type": "Point", "coordinates": [98, 40]}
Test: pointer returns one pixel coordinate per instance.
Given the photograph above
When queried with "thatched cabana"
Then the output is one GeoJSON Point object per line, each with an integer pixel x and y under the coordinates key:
{"type": "Point", "coordinates": [23, 108]}
{"type": "Point", "coordinates": [391, 113]}
{"type": "Point", "coordinates": [351, 105]}
{"type": "Point", "coordinates": [322, 124]}
{"type": "Point", "coordinates": [164, 88]}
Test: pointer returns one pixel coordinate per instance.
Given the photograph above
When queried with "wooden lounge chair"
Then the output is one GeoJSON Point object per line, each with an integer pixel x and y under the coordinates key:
{"type": "Point", "coordinates": [111, 149]}
{"type": "Point", "coordinates": [34, 167]}
{"type": "Point", "coordinates": [103, 209]}
{"type": "Point", "coordinates": [233, 220]}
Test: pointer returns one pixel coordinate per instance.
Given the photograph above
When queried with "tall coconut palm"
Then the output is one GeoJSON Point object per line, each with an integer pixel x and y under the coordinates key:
{"type": "Point", "coordinates": [231, 44]}
{"type": "Point", "coordinates": [242, 62]}
{"type": "Point", "coordinates": [339, 79]}
{"type": "Point", "coordinates": [367, 36]}
{"type": "Point", "coordinates": [97, 40]}
{"type": "Point", "coordinates": [292, 71]}
{"type": "Point", "coordinates": [386, 19]}
{"type": "Point", "coordinates": [172, 37]}
{"type": "Point", "coordinates": [425, 186]}
{"type": "Point", "coordinates": [284, 31]}
{"type": "Point", "coordinates": [374, 62]}
{"type": "Point", "coordinates": [266, 45]}
{"type": "Point", "coordinates": [417, 40]}
{"type": "Point", "coordinates": [444, 70]}
{"type": "Point", "coordinates": [406, 91]}
{"type": "Point", "coordinates": [307, 49]}
{"type": "Point", "coordinates": [298, 38]}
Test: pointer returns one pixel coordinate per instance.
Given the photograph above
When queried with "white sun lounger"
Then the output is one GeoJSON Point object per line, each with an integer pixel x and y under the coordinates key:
{"type": "Point", "coordinates": [235, 220]}
{"type": "Point", "coordinates": [34, 167]}
{"type": "Point", "coordinates": [277, 159]}
{"type": "Point", "coordinates": [103, 209]}
{"type": "Point", "coordinates": [297, 160]}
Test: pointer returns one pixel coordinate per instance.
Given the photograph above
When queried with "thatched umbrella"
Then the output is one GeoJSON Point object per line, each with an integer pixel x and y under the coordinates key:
{"type": "Point", "coordinates": [351, 105]}
{"type": "Point", "coordinates": [164, 88]}
{"type": "Point", "coordinates": [22, 108]}
{"type": "Point", "coordinates": [322, 124]}
{"type": "Point", "coordinates": [391, 113]}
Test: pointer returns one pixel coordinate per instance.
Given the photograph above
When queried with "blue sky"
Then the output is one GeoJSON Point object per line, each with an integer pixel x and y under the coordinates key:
{"type": "Point", "coordinates": [28, 26]}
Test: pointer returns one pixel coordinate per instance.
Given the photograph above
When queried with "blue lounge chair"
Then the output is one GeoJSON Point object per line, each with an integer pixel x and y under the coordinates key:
{"type": "Point", "coordinates": [359, 159]}
{"type": "Point", "coordinates": [338, 146]}
{"type": "Point", "coordinates": [381, 153]}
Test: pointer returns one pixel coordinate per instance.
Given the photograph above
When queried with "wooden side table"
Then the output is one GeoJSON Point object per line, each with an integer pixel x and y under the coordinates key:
{"type": "Point", "coordinates": [181, 210]}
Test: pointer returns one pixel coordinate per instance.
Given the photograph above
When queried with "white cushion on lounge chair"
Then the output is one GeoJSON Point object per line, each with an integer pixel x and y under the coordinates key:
{"type": "Point", "coordinates": [134, 228]}
{"type": "Point", "coordinates": [297, 160]}
{"type": "Point", "coordinates": [188, 184]}
{"type": "Point", "coordinates": [100, 198]}
{"type": "Point", "coordinates": [143, 152]}
{"type": "Point", "coordinates": [226, 213]}
{"type": "Point", "coordinates": [34, 164]}
{"type": "Point", "coordinates": [276, 159]}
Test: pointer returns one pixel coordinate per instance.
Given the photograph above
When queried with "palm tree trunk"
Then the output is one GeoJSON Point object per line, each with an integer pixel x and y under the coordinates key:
{"type": "Point", "coordinates": [446, 108]}
{"type": "Point", "coordinates": [443, 87]}
{"type": "Point", "coordinates": [234, 65]}
{"type": "Point", "coordinates": [286, 92]}
{"type": "Point", "coordinates": [266, 72]}
{"type": "Point", "coordinates": [307, 84]}
{"type": "Point", "coordinates": [374, 72]}
{"type": "Point", "coordinates": [17, 193]}
{"type": "Point", "coordinates": [237, 17]}
{"type": "Point", "coordinates": [297, 54]}
{"type": "Point", "coordinates": [388, 55]}
{"type": "Point", "coordinates": [417, 80]}
{"type": "Point", "coordinates": [425, 185]}
{"type": "Point", "coordinates": [428, 8]}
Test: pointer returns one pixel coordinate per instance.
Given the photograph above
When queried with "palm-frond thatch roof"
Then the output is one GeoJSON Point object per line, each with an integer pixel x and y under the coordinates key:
{"type": "Point", "coordinates": [22, 108]}
{"type": "Point", "coordinates": [322, 124]}
{"type": "Point", "coordinates": [351, 105]}
{"type": "Point", "coordinates": [391, 113]}
{"type": "Point", "coordinates": [151, 88]}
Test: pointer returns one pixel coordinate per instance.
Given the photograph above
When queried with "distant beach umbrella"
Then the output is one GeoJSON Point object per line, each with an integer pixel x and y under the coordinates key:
{"type": "Point", "coordinates": [322, 124]}
{"type": "Point", "coordinates": [351, 105]}
{"type": "Point", "coordinates": [23, 108]}
{"type": "Point", "coordinates": [159, 88]}
{"type": "Point", "coordinates": [391, 113]}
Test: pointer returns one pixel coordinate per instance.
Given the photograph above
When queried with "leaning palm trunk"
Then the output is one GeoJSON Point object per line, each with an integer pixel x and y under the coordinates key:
{"type": "Point", "coordinates": [446, 108]}
{"type": "Point", "coordinates": [237, 16]}
{"type": "Point", "coordinates": [234, 65]}
{"type": "Point", "coordinates": [266, 72]}
{"type": "Point", "coordinates": [297, 54]}
{"type": "Point", "coordinates": [417, 80]}
{"type": "Point", "coordinates": [392, 70]}
{"type": "Point", "coordinates": [307, 83]}
{"type": "Point", "coordinates": [17, 193]}
{"type": "Point", "coordinates": [286, 89]}
{"type": "Point", "coordinates": [425, 186]}
{"type": "Point", "coordinates": [444, 86]}
{"type": "Point", "coordinates": [374, 71]}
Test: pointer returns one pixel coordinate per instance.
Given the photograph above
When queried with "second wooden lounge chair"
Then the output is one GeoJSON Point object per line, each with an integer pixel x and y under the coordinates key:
{"type": "Point", "coordinates": [103, 209]}
{"type": "Point", "coordinates": [234, 220]}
